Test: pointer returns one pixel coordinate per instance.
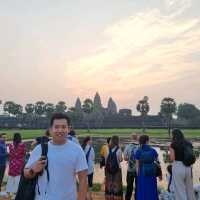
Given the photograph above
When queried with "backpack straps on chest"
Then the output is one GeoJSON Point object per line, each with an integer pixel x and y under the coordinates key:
{"type": "Point", "coordinates": [88, 153]}
{"type": "Point", "coordinates": [44, 146]}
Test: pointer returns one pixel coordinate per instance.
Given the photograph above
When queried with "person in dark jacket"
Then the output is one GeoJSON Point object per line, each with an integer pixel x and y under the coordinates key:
{"type": "Point", "coordinates": [3, 156]}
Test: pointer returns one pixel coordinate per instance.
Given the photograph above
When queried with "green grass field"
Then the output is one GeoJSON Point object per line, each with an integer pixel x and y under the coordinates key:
{"type": "Point", "coordinates": [161, 133]}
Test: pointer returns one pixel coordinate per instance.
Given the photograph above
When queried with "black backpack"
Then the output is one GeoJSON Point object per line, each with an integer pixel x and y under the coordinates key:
{"type": "Point", "coordinates": [112, 165]}
{"type": "Point", "coordinates": [188, 155]}
{"type": "Point", "coordinates": [26, 188]}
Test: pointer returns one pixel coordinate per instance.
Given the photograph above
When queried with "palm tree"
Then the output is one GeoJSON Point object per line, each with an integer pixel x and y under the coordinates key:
{"type": "Point", "coordinates": [39, 108]}
{"type": "Point", "coordinates": [143, 107]}
{"type": "Point", "coordinates": [87, 108]}
{"type": "Point", "coordinates": [8, 107]}
{"type": "Point", "coordinates": [61, 107]}
{"type": "Point", "coordinates": [17, 109]}
{"type": "Point", "coordinates": [29, 108]}
{"type": "Point", "coordinates": [49, 109]}
{"type": "Point", "coordinates": [167, 109]}
{"type": "Point", "coordinates": [12, 108]}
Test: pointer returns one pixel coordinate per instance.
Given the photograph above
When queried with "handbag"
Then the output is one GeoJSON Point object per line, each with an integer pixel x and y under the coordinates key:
{"type": "Point", "coordinates": [26, 188]}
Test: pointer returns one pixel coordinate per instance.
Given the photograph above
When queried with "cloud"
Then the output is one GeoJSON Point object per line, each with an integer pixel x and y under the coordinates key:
{"type": "Point", "coordinates": [176, 7]}
{"type": "Point", "coordinates": [143, 50]}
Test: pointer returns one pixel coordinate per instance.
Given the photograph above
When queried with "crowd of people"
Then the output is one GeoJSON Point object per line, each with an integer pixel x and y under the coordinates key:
{"type": "Point", "coordinates": [67, 170]}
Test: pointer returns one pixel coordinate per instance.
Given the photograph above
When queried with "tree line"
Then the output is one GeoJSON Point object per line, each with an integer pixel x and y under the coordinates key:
{"type": "Point", "coordinates": [92, 111]}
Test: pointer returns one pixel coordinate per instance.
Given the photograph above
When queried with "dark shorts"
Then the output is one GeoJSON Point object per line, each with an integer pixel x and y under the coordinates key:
{"type": "Point", "coordinates": [90, 180]}
{"type": "Point", "coordinates": [2, 171]}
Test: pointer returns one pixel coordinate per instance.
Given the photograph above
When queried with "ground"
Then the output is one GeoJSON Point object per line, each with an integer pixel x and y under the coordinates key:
{"type": "Point", "coordinates": [95, 195]}
{"type": "Point", "coordinates": [161, 133]}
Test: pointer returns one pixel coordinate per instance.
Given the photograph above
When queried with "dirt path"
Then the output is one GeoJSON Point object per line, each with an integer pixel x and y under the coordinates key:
{"type": "Point", "coordinates": [95, 195]}
{"type": "Point", "coordinates": [98, 196]}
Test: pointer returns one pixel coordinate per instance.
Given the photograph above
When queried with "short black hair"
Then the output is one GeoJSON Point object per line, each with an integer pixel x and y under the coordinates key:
{"type": "Point", "coordinates": [60, 116]}
{"type": "Point", "coordinates": [143, 139]}
{"type": "Point", "coordinates": [177, 135]}
{"type": "Point", "coordinates": [72, 133]}
{"type": "Point", "coordinates": [108, 140]}
{"type": "Point", "coordinates": [17, 138]}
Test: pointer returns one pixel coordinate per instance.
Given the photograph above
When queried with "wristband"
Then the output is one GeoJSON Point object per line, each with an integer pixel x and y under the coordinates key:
{"type": "Point", "coordinates": [31, 172]}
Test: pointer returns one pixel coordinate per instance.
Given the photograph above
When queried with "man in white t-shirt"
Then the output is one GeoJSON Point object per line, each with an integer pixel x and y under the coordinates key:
{"type": "Point", "coordinates": [65, 160]}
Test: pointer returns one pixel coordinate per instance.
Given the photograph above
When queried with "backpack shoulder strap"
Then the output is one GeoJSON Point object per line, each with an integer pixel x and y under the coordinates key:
{"type": "Point", "coordinates": [115, 151]}
{"type": "Point", "coordinates": [109, 151]}
{"type": "Point", "coordinates": [169, 184]}
{"type": "Point", "coordinates": [44, 147]}
{"type": "Point", "coordinates": [88, 153]}
{"type": "Point", "coordinates": [133, 150]}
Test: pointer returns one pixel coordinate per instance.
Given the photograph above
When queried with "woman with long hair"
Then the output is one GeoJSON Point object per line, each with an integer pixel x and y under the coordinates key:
{"type": "Point", "coordinates": [181, 174]}
{"type": "Point", "coordinates": [113, 172]}
{"type": "Point", "coordinates": [17, 153]}
{"type": "Point", "coordinates": [90, 156]}
{"type": "Point", "coordinates": [145, 169]}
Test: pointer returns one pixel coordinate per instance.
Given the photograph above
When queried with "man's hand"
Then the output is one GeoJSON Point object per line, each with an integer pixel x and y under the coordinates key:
{"type": "Point", "coordinates": [39, 165]}
{"type": "Point", "coordinates": [36, 168]}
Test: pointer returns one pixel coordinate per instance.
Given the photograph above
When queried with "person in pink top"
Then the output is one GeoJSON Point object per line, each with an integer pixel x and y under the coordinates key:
{"type": "Point", "coordinates": [17, 153]}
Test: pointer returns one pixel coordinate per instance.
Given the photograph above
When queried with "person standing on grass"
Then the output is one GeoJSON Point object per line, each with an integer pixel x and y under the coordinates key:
{"type": "Point", "coordinates": [129, 156]}
{"type": "Point", "coordinates": [90, 156]}
{"type": "Point", "coordinates": [3, 156]}
{"type": "Point", "coordinates": [113, 172]}
{"type": "Point", "coordinates": [65, 160]}
{"type": "Point", "coordinates": [72, 136]}
{"type": "Point", "coordinates": [104, 151]}
{"type": "Point", "coordinates": [17, 152]}
{"type": "Point", "coordinates": [181, 174]}
{"type": "Point", "coordinates": [146, 175]}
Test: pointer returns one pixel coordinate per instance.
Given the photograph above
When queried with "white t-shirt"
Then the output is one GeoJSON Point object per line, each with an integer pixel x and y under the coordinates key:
{"type": "Point", "coordinates": [64, 161]}
{"type": "Point", "coordinates": [90, 159]}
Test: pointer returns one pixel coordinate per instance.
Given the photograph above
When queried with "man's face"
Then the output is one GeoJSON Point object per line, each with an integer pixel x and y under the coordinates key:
{"type": "Point", "coordinates": [59, 130]}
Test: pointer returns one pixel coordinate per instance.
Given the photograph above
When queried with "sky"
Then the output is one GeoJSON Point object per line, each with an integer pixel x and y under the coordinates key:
{"type": "Point", "coordinates": [127, 49]}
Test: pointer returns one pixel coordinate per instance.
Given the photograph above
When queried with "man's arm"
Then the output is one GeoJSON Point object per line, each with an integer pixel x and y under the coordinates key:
{"type": "Point", "coordinates": [171, 154]}
{"type": "Point", "coordinates": [82, 193]}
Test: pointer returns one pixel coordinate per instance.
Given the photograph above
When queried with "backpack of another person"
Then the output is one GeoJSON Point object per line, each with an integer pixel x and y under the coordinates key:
{"type": "Point", "coordinates": [188, 155]}
{"type": "Point", "coordinates": [26, 188]}
{"type": "Point", "coordinates": [147, 163]}
{"type": "Point", "coordinates": [112, 165]}
{"type": "Point", "coordinates": [132, 161]}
